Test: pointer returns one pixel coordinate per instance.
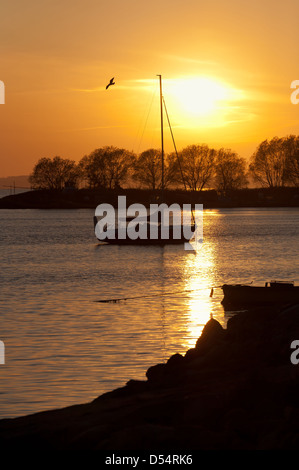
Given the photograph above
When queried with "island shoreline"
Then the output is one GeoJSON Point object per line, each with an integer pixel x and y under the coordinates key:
{"type": "Point", "coordinates": [89, 198]}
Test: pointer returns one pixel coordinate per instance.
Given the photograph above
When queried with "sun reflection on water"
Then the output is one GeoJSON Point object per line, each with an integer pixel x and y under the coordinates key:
{"type": "Point", "coordinates": [200, 278]}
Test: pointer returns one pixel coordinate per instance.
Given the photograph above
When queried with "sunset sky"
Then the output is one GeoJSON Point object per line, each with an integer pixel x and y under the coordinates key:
{"type": "Point", "coordinates": [227, 67]}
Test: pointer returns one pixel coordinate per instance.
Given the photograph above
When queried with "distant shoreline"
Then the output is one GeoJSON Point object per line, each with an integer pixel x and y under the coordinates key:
{"type": "Point", "coordinates": [211, 199]}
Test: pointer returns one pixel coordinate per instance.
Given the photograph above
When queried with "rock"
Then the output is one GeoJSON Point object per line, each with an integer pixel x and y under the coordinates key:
{"type": "Point", "coordinates": [156, 373]}
{"type": "Point", "coordinates": [145, 436]}
{"type": "Point", "coordinates": [175, 361]}
{"type": "Point", "coordinates": [136, 386]}
{"type": "Point", "coordinates": [212, 333]}
{"type": "Point", "coordinates": [170, 373]}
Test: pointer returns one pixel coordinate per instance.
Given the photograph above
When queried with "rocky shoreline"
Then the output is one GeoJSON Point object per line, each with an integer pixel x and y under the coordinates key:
{"type": "Point", "coordinates": [236, 389]}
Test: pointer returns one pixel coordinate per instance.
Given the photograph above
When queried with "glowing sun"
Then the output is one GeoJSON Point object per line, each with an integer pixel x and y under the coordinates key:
{"type": "Point", "coordinates": [198, 96]}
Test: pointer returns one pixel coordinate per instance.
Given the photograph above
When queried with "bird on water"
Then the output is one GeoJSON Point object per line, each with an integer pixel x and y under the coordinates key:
{"type": "Point", "coordinates": [110, 83]}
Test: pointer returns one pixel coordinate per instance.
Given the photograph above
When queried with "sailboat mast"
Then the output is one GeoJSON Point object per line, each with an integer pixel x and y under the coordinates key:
{"type": "Point", "coordinates": [162, 137]}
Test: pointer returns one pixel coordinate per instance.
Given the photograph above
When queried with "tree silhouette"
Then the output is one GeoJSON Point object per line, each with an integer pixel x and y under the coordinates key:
{"type": "Point", "coordinates": [148, 169]}
{"type": "Point", "coordinates": [275, 163]}
{"type": "Point", "coordinates": [230, 171]}
{"type": "Point", "coordinates": [106, 167]}
{"type": "Point", "coordinates": [195, 166]}
{"type": "Point", "coordinates": [268, 163]}
{"type": "Point", "coordinates": [291, 148]}
{"type": "Point", "coordinates": [54, 173]}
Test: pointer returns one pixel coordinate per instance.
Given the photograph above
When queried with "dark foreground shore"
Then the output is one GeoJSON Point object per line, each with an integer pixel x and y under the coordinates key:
{"type": "Point", "coordinates": [236, 389]}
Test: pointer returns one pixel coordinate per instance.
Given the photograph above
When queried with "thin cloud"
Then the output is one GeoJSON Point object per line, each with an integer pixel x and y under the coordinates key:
{"type": "Point", "coordinates": [101, 89]}
{"type": "Point", "coordinates": [88, 90]}
{"type": "Point", "coordinates": [188, 60]}
{"type": "Point", "coordinates": [82, 129]}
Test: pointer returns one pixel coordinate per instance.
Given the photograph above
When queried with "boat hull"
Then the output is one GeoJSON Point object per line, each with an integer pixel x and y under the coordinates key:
{"type": "Point", "coordinates": [146, 241]}
{"type": "Point", "coordinates": [241, 295]}
{"type": "Point", "coordinates": [175, 236]}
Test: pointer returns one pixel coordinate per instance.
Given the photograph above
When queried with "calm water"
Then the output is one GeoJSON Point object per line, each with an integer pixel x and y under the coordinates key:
{"type": "Point", "coordinates": [63, 348]}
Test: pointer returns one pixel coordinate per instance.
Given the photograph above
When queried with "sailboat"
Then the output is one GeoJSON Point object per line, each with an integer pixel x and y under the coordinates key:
{"type": "Point", "coordinates": [156, 228]}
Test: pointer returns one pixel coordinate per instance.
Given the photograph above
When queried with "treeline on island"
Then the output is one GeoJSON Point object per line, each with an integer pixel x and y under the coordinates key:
{"type": "Point", "coordinates": [274, 164]}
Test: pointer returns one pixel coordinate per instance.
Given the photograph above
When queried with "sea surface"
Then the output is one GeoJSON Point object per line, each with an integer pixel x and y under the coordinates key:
{"type": "Point", "coordinates": [63, 347]}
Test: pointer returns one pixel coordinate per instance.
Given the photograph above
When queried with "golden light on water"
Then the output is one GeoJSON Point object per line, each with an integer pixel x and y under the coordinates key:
{"type": "Point", "coordinates": [201, 265]}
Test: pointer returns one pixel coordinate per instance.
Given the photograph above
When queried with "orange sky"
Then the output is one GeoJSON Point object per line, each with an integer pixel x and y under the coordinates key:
{"type": "Point", "coordinates": [227, 67]}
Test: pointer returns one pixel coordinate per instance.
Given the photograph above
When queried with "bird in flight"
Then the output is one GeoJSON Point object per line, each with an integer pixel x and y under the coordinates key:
{"type": "Point", "coordinates": [110, 83]}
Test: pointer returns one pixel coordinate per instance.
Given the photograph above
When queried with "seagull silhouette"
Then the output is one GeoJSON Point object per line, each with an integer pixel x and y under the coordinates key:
{"type": "Point", "coordinates": [110, 83]}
